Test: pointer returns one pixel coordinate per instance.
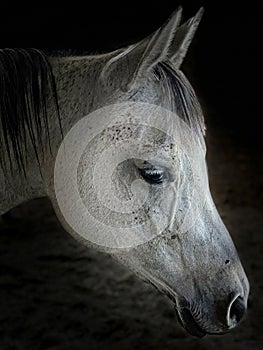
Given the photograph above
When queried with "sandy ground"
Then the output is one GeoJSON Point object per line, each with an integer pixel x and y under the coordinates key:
{"type": "Point", "coordinates": [58, 295]}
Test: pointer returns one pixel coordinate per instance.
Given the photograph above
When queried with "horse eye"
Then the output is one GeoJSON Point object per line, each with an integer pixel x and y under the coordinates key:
{"type": "Point", "coordinates": [152, 176]}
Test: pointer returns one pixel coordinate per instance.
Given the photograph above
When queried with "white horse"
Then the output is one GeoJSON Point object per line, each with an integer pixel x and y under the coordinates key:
{"type": "Point", "coordinates": [54, 143]}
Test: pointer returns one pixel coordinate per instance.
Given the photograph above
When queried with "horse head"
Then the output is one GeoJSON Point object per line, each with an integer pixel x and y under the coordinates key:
{"type": "Point", "coordinates": [142, 180]}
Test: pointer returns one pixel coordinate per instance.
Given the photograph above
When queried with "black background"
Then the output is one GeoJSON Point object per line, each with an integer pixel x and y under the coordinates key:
{"type": "Point", "coordinates": [223, 62]}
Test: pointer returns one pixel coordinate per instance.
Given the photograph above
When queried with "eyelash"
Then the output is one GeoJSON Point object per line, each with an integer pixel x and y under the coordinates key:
{"type": "Point", "coordinates": [152, 176]}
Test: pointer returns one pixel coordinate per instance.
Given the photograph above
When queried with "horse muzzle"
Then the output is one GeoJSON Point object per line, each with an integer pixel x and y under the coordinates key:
{"type": "Point", "coordinates": [233, 314]}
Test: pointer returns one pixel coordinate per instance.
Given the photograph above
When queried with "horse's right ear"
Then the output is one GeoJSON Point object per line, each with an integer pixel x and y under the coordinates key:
{"type": "Point", "coordinates": [183, 38]}
{"type": "Point", "coordinates": [169, 42]}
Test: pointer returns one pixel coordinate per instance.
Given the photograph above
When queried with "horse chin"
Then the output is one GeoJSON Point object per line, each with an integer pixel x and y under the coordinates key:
{"type": "Point", "coordinates": [188, 323]}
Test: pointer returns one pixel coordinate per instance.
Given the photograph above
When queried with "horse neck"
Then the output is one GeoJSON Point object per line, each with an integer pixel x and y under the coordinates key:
{"type": "Point", "coordinates": [17, 187]}
{"type": "Point", "coordinates": [75, 80]}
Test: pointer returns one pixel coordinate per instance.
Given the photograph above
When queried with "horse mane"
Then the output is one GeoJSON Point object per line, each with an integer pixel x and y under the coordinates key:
{"type": "Point", "coordinates": [26, 84]}
{"type": "Point", "coordinates": [180, 96]}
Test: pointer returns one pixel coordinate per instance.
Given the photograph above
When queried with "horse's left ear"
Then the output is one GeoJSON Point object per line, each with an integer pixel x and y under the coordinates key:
{"type": "Point", "coordinates": [138, 59]}
{"type": "Point", "coordinates": [157, 46]}
{"type": "Point", "coordinates": [169, 43]}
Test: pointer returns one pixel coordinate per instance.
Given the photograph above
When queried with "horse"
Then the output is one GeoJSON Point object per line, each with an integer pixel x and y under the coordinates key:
{"type": "Point", "coordinates": [116, 141]}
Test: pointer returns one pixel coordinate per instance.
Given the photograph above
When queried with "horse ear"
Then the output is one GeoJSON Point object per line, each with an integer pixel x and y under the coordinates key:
{"type": "Point", "coordinates": [157, 46]}
{"type": "Point", "coordinates": [169, 42]}
{"type": "Point", "coordinates": [138, 59]}
{"type": "Point", "coordinates": [183, 38]}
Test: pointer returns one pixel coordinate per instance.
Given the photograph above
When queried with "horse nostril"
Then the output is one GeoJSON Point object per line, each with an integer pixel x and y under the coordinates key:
{"type": "Point", "coordinates": [236, 311]}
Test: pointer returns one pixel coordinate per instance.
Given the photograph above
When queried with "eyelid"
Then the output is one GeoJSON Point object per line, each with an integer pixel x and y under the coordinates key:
{"type": "Point", "coordinates": [153, 171]}
{"type": "Point", "coordinates": [148, 165]}
{"type": "Point", "coordinates": [152, 176]}
{"type": "Point", "coordinates": [160, 162]}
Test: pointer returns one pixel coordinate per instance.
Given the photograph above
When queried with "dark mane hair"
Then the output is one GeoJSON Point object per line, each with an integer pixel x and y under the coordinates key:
{"type": "Point", "coordinates": [26, 84]}
{"type": "Point", "coordinates": [180, 96]}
